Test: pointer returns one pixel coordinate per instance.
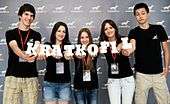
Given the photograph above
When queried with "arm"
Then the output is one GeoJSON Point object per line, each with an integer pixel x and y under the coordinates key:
{"type": "Point", "coordinates": [128, 52]}
{"type": "Point", "coordinates": [18, 52]}
{"type": "Point", "coordinates": [166, 57]}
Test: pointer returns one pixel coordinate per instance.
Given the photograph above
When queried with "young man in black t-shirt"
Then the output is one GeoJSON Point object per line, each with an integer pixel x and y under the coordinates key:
{"type": "Point", "coordinates": [21, 74]}
{"type": "Point", "coordinates": [150, 73]}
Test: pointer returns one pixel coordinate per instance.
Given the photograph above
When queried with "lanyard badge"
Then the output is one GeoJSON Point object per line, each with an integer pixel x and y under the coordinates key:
{"type": "Point", "coordinates": [59, 68]}
{"type": "Point", "coordinates": [86, 76]}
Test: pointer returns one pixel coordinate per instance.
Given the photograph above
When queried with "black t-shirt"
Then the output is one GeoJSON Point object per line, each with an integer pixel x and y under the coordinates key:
{"type": "Point", "coordinates": [15, 67]}
{"type": "Point", "coordinates": [148, 48]}
{"type": "Point", "coordinates": [52, 75]}
{"type": "Point", "coordinates": [78, 77]}
{"type": "Point", "coordinates": [122, 63]}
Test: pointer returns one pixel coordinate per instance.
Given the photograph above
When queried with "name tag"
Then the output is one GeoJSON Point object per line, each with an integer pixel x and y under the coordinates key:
{"type": "Point", "coordinates": [60, 68]}
{"type": "Point", "coordinates": [114, 68]}
{"type": "Point", "coordinates": [86, 76]}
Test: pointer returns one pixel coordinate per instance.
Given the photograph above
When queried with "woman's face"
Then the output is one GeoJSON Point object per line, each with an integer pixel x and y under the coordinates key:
{"type": "Point", "coordinates": [109, 30]}
{"type": "Point", "coordinates": [60, 33]}
{"type": "Point", "coordinates": [84, 38]}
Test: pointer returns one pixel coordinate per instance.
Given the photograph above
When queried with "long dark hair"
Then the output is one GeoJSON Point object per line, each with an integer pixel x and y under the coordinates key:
{"type": "Point", "coordinates": [88, 64]}
{"type": "Point", "coordinates": [88, 33]}
{"type": "Point", "coordinates": [53, 33]}
{"type": "Point", "coordinates": [103, 36]}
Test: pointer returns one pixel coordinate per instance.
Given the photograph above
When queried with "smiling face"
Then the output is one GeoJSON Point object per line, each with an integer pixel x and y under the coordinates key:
{"type": "Point", "coordinates": [109, 31]}
{"type": "Point", "coordinates": [26, 19]}
{"type": "Point", "coordinates": [84, 38]}
{"type": "Point", "coordinates": [60, 34]}
{"type": "Point", "coordinates": [141, 16]}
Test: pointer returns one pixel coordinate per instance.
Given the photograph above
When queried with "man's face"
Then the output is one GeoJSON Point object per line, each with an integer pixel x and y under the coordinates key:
{"type": "Point", "coordinates": [27, 18]}
{"type": "Point", "coordinates": [141, 15]}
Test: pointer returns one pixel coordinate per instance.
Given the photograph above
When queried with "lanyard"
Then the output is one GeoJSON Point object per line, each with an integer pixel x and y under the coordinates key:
{"type": "Point", "coordinates": [113, 55]}
{"type": "Point", "coordinates": [23, 42]}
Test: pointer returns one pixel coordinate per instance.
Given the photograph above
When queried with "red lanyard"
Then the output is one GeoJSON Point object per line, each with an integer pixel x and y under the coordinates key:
{"type": "Point", "coordinates": [23, 42]}
{"type": "Point", "coordinates": [113, 55]}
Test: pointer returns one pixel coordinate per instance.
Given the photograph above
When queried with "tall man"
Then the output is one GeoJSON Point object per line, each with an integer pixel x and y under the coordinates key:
{"type": "Point", "coordinates": [147, 40]}
{"type": "Point", "coordinates": [21, 74]}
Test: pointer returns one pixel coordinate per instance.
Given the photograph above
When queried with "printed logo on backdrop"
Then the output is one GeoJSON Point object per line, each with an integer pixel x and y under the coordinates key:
{"type": "Point", "coordinates": [42, 72]}
{"type": "Point", "coordinates": [113, 9]}
{"type": "Point", "coordinates": [34, 25]}
{"type": "Point", "coordinates": [16, 11]}
{"type": "Point", "coordinates": [95, 9]}
{"type": "Point", "coordinates": [59, 9]}
{"type": "Point", "coordinates": [41, 9]}
{"type": "Point", "coordinates": [89, 24]}
{"type": "Point", "coordinates": [2, 73]}
{"type": "Point", "coordinates": [13, 25]}
{"type": "Point", "coordinates": [3, 9]}
{"type": "Point", "coordinates": [130, 8]}
{"type": "Point", "coordinates": [77, 9]}
{"type": "Point", "coordinates": [3, 41]}
{"type": "Point", "coordinates": [51, 24]}
{"type": "Point", "coordinates": [104, 86]}
{"type": "Point", "coordinates": [151, 8]}
{"type": "Point", "coordinates": [125, 24]}
{"type": "Point", "coordinates": [71, 24]}
{"type": "Point", "coordinates": [43, 39]}
{"type": "Point", "coordinates": [96, 39]}
{"type": "Point", "coordinates": [161, 23]}
{"type": "Point", "coordinates": [165, 8]}
{"type": "Point", "coordinates": [99, 72]}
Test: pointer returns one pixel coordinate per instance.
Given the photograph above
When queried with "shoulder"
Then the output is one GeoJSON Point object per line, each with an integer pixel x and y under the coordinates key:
{"type": "Point", "coordinates": [35, 32]}
{"type": "Point", "coordinates": [8, 32]}
{"type": "Point", "coordinates": [153, 26]}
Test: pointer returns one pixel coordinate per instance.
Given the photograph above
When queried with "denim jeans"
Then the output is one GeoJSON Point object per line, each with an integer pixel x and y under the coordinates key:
{"type": "Point", "coordinates": [85, 96]}
{"type": "Point", "coordinates": [124, 87]}
{"type": "Point", "coordinates": [56, 91]}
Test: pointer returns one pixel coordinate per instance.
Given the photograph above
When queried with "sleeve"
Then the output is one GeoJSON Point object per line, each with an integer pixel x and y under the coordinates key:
{"type": "Point", "coordinates": [132, 35]}
{"type": "Point", "coordinates": [9, 36]}
{"type": "Point", "coordinates": [38, 36]}
{"type": "Point", "coordinates": [162, 34]}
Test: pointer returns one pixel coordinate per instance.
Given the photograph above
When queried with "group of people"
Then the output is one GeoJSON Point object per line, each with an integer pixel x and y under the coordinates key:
{"type": "Point", "coordinates": [148, 41]}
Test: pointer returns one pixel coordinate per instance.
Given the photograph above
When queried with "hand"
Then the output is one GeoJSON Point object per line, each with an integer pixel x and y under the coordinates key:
{"type": "Point", "coordinates": [165, 72]}
{"type": "Point", "coordinates": [30, 58]}
{"type": "Point", "coordinates": [41, 57]}
{"type": "Point", "coordinates": [80, 56]}
{"type": "Point", "coordinates": [68, 56]}
{"type": "Point", "coordinates": [126, 52]}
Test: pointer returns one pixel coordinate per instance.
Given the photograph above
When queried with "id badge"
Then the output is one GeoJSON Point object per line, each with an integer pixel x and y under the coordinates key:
{"type": "Point", "coordinates": [114, 68]}
{"type": "Point", "coordinates": [60, 68]}
{"type": "Point", "coordinates": [22, 60]}
{"type": "Point", "coordinates": [86, 76]}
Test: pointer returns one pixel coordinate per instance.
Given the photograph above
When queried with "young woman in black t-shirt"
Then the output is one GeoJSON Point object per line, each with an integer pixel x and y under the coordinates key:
{"type": "Point", "coordinates": [85, 79]}
{"type": "Point", "coordinates": [57, 87]}
{"type": "Point", "coordinates": [121, 84]}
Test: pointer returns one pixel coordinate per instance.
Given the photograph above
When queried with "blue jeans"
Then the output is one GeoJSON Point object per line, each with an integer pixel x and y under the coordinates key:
{"type": "Point", "coordinates": [85, 96]}
{"type": "Point", "coordinates": [56, 91]}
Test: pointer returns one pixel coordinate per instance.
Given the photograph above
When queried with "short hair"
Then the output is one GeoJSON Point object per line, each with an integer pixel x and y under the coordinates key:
{"type": "Point", "coordinates": [26, 7]}
{"type": "Point", "coordinates": [54, 30]}
{"type": "Point", "coordinates": [88, 33]}
{"type": "Point", "coordinates": [140, 5]}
